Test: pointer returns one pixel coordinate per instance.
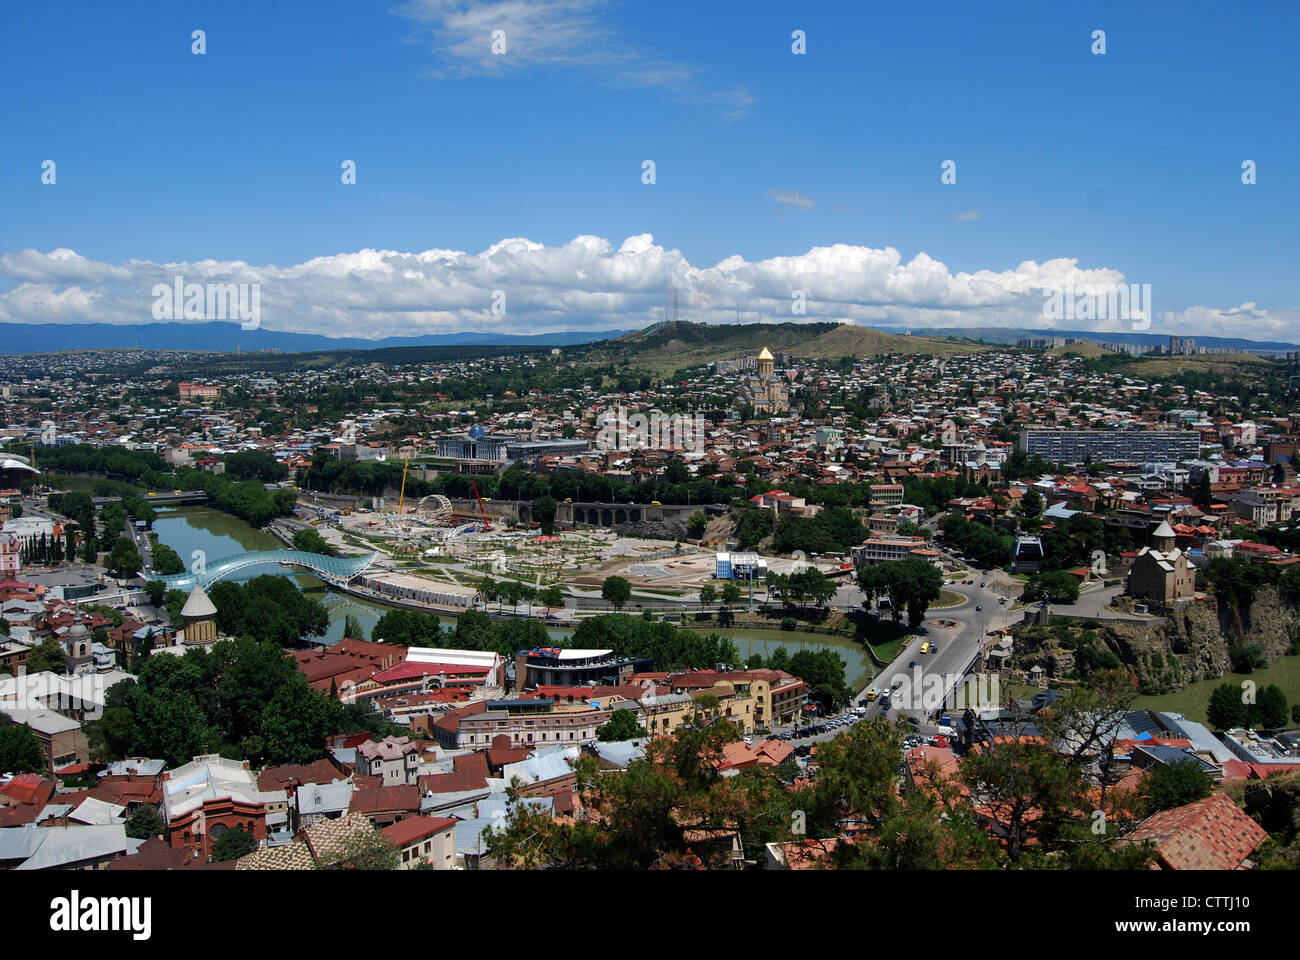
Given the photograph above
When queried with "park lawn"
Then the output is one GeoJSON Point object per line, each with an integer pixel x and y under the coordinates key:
{"type": "Point", "coordinates": [1193, 698]}
{"type": "Point", "coordinates": [890, 649]}
{"type": "Point", "coordinates": [1023, 691]}
{"type": "Point", "coordinates": [947, 598]}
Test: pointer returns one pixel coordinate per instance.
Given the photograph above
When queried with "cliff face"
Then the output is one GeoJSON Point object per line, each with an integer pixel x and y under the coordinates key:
{"type": "Point", "coordinates": [1194, 644]}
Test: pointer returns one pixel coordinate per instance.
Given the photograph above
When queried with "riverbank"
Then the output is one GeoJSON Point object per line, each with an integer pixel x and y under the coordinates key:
{"type": "Point", "coordinates": [218, 534]}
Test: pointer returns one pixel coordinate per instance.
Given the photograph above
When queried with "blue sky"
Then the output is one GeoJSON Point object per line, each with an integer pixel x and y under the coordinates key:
{"type": "Point", "coordinates": [1128, 163]}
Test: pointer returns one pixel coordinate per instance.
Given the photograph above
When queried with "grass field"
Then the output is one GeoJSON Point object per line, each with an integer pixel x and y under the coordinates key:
{"type": "Point", "coordinates": [947, 598]}
{"type": "Point", "coordinates": [888, 650]}
{"type": "Point", "coordinates": [1192, 699]}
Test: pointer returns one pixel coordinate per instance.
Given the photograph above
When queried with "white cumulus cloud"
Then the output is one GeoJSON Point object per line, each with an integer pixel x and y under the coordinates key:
{"type": "Point", "coordinates": [590, 283]}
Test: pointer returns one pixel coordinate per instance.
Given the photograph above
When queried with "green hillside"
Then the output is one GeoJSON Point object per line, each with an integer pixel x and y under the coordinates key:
{"type": "Point", "coordinates": [678, 344]}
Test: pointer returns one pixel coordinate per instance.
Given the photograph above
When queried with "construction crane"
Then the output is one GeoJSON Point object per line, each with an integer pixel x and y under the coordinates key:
{"type": "Point", "coordinates": [487, 527]}
{"type": "Point", "coordinates": [401, 496]}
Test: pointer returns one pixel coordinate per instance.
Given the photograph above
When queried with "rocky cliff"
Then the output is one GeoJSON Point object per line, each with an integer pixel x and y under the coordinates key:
{"type": "Point", "coordinates": [1195, 643]}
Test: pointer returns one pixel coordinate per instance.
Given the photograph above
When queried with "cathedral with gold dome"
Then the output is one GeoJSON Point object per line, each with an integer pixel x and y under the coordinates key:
{"type": "Point", "coordinates": [766, 392]}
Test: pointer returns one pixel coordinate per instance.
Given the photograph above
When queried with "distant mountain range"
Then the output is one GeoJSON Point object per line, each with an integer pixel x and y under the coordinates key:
{"type": "Point", "coordinates": [1012, 334]}
{"type": "Point", "coordinates": [225, 337]}
{"type": "Point", "coordinates": [674, 339]}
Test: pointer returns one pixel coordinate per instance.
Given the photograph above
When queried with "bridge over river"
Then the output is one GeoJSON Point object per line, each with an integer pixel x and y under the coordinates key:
{"type": "Point", "coordinates": [336, 571]}
{"type": "Point", "coordinates": [173, 499]}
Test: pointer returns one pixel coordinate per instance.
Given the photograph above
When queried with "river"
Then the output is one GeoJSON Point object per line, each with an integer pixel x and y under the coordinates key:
{"type": "Point", "coordinates": [218, 535]}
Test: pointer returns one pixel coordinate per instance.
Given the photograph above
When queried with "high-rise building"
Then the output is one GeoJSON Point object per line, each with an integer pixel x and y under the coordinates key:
{"type": "Point", "coordinates": [1110, 446]}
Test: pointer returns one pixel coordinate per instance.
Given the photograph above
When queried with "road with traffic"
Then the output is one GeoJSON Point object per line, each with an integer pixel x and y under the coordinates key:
{"type": "Point", "coordinates": [926, 678]}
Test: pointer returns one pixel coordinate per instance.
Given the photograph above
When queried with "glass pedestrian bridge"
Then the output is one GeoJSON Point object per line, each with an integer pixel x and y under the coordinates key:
{"type": "Point", "coordinates": [334, 570]}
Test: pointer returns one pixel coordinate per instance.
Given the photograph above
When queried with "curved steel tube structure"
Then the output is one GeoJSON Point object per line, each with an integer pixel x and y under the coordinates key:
{"type": "Point", "coordinates": [335, 570]}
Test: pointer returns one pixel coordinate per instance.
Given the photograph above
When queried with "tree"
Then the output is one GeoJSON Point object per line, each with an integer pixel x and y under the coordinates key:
{"type": "Point", "coordinates": [124, 562]}
{"type": "Point", "coordinates": [296, 722]}
{"type": "Point", "coordinates": [352, 628]}
{"type": "Point", "coordinates": [233, 844]}
{"type": "Point", "coordinates": [20, 750]}
{"type": "Point", "coordinates": [146, 822]}
{"type": "Point", "coordinates": [551, 596]}
{"type": "Point", "coordinates": [912, 585]}
{"type": "Point", "coordinates": [1170, 785]}
{"type": "Point", "coordinates": [708, 593]}
{"type": "Point", "coordinates": [823, 671]}
{"type": "Point", "coordinates": [544, 513]}
{"type": "Point", "coordinates": [1247, 658]}
{"type": "Point", "coordinates": [156, 591]}
{"type": "Point", "coordinates": [174, 601]}
{"type": "Point", "coordinates": [622, 725]}
{"type": "Point", "coordinates": [616, 591]}
{"type": "Point", "coordinates": [1055, 587]}
{"type": "Point", "coordinates": [166, 562]}
{"type": "Point", "coordinates": [310, 541]}
{"type": "Point", "coordinates": [1202, 493]}
{"type": "Point", "coordinates": [112, 734]}
{"type": "Point", "coordinates": [48, 656]}
{"type": "Point", "coordinates": [696, 524]}
{"type": "Point", "coordinates": [1031, 504]}
{"type": "Point", "coordinates": [1040, 782]}
{"type": "Point", "coordinates": [1271, 708]}
{"type": "Point", "coordinates": [268, 608]}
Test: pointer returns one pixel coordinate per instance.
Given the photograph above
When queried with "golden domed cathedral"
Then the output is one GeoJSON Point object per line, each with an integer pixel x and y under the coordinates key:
{"type": "Point", "coordinates": [766, 393]}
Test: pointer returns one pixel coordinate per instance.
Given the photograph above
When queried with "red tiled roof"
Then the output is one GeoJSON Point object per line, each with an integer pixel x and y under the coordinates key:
{"type": "Point", "coordinates": [408, 831]}
{"type": "Point", "coordinates": [385, 800]}
{"type": "Point", "coordinates": [289, 775]}
{"type": "Point", "coordinates": [470, 773]}
{"type": "Point", "coordinates": [1211, 834]}
{"type": "Point", "coordinates": [27, 788]}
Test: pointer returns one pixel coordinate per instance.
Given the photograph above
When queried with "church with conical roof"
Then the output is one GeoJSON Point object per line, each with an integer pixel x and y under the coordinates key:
{"type": "Point", "coordinates": [200, 618]}
{"type": "Point", "coordinates": [1161, 572]}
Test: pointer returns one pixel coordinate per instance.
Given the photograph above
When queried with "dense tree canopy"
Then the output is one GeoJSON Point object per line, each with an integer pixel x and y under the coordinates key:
{"type": "Point", "coordinates": [20, 750]}
{"type": "Point", "coordinates": [911, 584]}
{"type": "Point", "coordinates": [243, 699]}
{"type": "Point", "coordinates": [268, 608]}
